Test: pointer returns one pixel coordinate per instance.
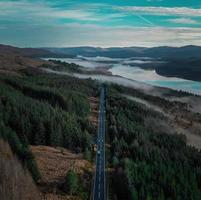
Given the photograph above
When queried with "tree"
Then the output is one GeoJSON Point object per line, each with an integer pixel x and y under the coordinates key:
{"type": "Point", "coordinates": [71, 184]}
{"type": "Point", "coordinates": [134, 194]}
{"type": "Point", "coordinates": [115, 161]}
{"type": "Point", "coordinates": [87, 154]}
{"type": "Point", "coordinates": [39, 133]}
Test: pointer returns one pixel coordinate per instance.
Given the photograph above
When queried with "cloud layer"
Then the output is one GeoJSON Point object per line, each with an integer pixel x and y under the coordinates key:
{"type": "Point", "coordinates": [175, 11]}
{"type": "Point", "coordinates": [53, 23]}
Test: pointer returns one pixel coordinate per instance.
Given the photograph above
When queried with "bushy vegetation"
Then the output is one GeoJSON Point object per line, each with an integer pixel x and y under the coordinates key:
{"type": "Point", "coordinates": [71, 182]}
{"type": "Point", "coordinates": [44, 109]}
{"type": "Point", "coordinates": [149, 164]}
{"type": "Point", "coordinates": [63, 66]}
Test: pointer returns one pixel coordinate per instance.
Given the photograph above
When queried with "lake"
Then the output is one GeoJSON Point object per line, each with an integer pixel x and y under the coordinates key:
{"type": "Point", "coordinates": [123, 68]}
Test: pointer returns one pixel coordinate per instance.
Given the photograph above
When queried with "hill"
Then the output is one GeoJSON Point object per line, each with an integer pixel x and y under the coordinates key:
{"type": "Point", "coordinates": [28, 52]}
{"type": "Point", "coordinates": [187, 68]}
{"type": "Point", "coordinates": [13, 58]}
{"type": "Point", "coordinates": [174, 52]}
{"type": "Point", "coordinates": [127, 52]}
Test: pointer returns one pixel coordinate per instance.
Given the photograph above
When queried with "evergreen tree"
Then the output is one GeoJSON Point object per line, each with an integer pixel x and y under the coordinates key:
{"type": "Point", "coordinates": [87, 154]}
{"type": "Point", "coordinates": [71, 185]}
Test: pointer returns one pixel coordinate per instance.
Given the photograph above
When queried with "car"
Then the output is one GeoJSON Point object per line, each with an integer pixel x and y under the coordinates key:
{"type": "Point", "coordinates": [98, 152]}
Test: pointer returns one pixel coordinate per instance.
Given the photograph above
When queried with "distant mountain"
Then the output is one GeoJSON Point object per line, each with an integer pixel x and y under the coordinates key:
{"type": "Point", "coordinates": [127, 52]}
{"type": "Point", "coordinates": [113, 52]}
{"type": "Point", "coordinates": [174, 52]}
{"type": "Point", "coordinates": [29, 52]}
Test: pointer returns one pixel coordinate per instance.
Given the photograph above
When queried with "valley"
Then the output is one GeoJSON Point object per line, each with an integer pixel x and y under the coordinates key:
{"type": "Point", "coordinates": [100, 100]}
{"type": "Point", "coordinates": [49, 119]}
{"type": "Point", "coordinates": [143, 69]}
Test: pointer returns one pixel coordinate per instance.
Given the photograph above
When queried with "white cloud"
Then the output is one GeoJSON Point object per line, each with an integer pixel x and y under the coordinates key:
{"type": "Point", "coordinates": [85, 34]}
{"type": "Point", "coordinates": [132, 36]}
{"type": "Point", "coordinates": [39, 26]}
{"type": "Point", "coordinates": [26, 9]}
{"type": "Point", "coordinates": [180, 11]}
{"type": "Point", "coordinates": [183, 21]}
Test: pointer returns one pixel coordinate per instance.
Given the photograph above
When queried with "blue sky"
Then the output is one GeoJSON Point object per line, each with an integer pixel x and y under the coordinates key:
{"type": "Point", "coordinates": [105, 23]}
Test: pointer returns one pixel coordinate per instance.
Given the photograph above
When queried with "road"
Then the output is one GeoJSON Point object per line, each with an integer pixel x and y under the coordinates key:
{"type": "Point", "coordinates": [99, 189]}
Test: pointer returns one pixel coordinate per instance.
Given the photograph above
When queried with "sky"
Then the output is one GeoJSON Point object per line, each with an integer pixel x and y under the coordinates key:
{"type": "Point", "coordinates": [102, 23]}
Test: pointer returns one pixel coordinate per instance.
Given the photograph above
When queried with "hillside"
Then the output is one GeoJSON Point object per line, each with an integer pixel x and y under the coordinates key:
{"type": "Point", "coordinates": [44, 109]}
{"type": "Point", "coordinates": [16, 183]}
{"type": "Point", "coordinates": [186, 68]}
{"type": "Point", "coordinates": [14, 59]}
{"type": "Point", "coordinates": [149, 154]}
{"type": "Point", "coordinates": [28, 52]}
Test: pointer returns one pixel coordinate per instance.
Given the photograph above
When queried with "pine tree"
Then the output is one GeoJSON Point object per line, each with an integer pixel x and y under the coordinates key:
{"type": "Point", "coordinates": [134, 194]}
{"type": "Point", "coordinates": [115, 161]}
{"type": "Point", "coordinates": [87, 154]}
{"type": "Point", "coordinates": [71, 185]}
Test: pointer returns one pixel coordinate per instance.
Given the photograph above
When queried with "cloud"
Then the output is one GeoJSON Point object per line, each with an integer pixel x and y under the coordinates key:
{"type": "Point", "coordinates": [43, 10]}
{"type": "Point", "coordinates": [183, 21]}
{"type": "Point", "coordinates": [49, 23]}
{"type": "Point", "coordinates": [76, 34]}
{"type": "Point", "coordinates": [179, 11]}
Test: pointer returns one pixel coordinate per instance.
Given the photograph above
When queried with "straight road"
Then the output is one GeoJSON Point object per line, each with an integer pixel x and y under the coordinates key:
{"type": "Point", "coordinates": [99, 191]}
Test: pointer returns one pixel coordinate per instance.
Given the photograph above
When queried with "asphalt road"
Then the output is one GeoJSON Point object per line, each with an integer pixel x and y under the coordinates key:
{"type": "Point", "coordinates": [99, 189]}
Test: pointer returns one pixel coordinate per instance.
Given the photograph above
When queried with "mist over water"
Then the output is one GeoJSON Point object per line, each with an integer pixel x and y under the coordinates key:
{"type": "Point", "coordinates": [152, 78]}
{"type": "Point", "coordinates": [130, 69]}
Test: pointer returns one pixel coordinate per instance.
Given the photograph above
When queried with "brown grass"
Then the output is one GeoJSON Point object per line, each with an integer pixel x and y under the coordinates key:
{"type": "Point", "coordinates": [94, 105]}
{"type": "Point", "coordinates": [54, 164]}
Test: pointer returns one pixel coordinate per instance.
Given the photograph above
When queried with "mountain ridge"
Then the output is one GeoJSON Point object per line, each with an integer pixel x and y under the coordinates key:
{"type": "Point", "coordinates": [126, 52]}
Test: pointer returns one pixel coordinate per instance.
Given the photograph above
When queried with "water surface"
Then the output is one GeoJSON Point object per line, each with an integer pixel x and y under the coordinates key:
{"type": "Point", "coordinates": [130, 69]}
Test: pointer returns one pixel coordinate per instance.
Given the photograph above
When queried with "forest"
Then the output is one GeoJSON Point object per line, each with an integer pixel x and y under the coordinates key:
{"type": "Point", "coordinates": [45, 109]}
{"type": "Point", "coordinates": [148, 164]}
